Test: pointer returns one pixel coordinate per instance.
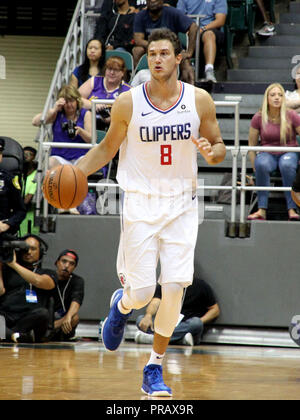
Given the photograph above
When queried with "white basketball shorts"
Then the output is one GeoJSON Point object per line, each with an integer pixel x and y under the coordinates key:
{"type": "Point", "coordinates": [157, 228]}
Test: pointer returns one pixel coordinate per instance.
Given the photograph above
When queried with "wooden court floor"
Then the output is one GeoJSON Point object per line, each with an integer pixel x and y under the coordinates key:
{"type": "Point", "coordinates": [86, 371]}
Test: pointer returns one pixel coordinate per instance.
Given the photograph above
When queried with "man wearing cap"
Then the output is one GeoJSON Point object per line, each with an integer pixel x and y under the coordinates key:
{"type": "Point", "coordinates": [12, 208]}
{"type": "Point", "coordinates": [68, 296]}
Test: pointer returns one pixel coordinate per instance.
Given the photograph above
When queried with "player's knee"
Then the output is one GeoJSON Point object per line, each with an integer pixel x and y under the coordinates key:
{"type": "Point", "coordinates": [172, 292]}
{"type": "Point", "coordinates": [141, 297]}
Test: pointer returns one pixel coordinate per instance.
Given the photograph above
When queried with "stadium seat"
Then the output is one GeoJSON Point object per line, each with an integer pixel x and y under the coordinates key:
{"type": "Point", "coordinates": [240, 18]}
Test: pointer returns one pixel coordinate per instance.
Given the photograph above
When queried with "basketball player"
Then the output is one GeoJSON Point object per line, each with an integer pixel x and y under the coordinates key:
{"type": "Point", "coordinates": [157, 127]}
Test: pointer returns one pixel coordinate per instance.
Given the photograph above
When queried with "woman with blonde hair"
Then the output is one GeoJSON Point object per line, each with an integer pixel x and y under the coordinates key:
{"type": "Point", "coordinates": [276, 126]}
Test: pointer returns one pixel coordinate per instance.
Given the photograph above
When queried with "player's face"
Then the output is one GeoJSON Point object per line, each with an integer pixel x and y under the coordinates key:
{"type": "Point", "coordinates": [162, 61]}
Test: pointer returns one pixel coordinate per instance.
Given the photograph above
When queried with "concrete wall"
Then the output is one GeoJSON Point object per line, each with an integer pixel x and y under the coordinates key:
{"type": "Point", "coordinates": [256, 280]}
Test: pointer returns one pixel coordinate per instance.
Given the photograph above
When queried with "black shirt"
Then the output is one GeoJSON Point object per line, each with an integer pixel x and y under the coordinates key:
{"type": "Point", "coordinates": [67, 291]}
{"type": "Point", "coordinates": [12, 207]}
{"type": "Point", "coordinates": [14, 298]}
{"type": "Point", "coordinates": [198, 298]}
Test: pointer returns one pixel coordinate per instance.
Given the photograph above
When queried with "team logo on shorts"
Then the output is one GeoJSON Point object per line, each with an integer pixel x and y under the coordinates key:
{"type": "Point", "coordinates": [122, 278]}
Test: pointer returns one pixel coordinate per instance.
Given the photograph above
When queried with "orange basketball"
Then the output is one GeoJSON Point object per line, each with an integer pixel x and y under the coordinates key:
{"type": "Point", "coordinates": [65, 186]}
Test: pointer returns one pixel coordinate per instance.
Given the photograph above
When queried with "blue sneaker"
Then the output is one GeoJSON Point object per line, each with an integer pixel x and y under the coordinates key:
{"type": "Point", "coordinates": [153, 383]}
{"type": "Point", "coordinates": [114, 325]}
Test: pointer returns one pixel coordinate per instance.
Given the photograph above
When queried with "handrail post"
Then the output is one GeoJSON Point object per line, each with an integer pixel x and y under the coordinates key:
{"type": "Point", "coordinates": [243, 227]}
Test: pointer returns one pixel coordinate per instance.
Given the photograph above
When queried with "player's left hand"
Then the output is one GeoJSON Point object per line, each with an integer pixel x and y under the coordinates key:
{"type": "Point", "coordinates": [204, 147]}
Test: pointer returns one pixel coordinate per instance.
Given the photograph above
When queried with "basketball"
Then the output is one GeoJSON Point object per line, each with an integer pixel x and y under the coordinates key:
{"type": "Point", "coordinates": [65, 187]}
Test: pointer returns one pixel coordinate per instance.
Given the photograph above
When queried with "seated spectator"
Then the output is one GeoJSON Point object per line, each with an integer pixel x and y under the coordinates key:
{"type": "Point", "coordinates": [93, 63]}
{"type": "Point", "coordinates": [108, 5]}
{"type": "Point", "coordinates": [12, 208]}
{"type": "Point", "coordinates": [293, 98]}
{"type": "Point", "coordinates": [115, 27]}
{"type": "Point", "coordinates": [24, 301]}
{"type": "Point", "coordinates": [71, 123]}
{"type": "Point", "coordinates": [156, 15]}
{"type": "Point", "coordinates": [108, 87]}
{"type": "Point", "coordinates": [199, 308]}
{"type": "Point", "coordinates": [268, 28]}
{"type": "Point", "coordinates": [68, 296]}
{"type": "Point", "coordinates": [211, 34]}
{"type": "Point", "coordinates": [276, 126]}
{"type": "Point", "coordinates": [29, 187]}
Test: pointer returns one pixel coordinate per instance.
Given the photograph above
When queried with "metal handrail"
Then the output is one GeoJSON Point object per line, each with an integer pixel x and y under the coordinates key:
{"type": "Point", "coordinates": [75, 29]}
{"type": "Point", "coordinates": [233, 149]}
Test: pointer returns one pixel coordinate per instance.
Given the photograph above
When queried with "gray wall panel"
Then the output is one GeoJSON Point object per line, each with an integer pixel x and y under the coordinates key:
{"type": "Point", "coordinates": [256, 280]}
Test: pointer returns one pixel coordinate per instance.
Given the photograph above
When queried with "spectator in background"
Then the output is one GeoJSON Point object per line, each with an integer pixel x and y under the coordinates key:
{"type": "Point", "coordinates": [268, 28]}
{"type": "Point", "coordinates": [115, 27]}
{"type": "Point", "coordinates": [158, 16]}
{"type": "Point", "coordinates": [293, 98]}
{"type": "Point", "coordinates": [29, 187]}
{"type": "Point", "coordinates": [71, 123]}
{"type": "Point", "coordinates": [211, 34]}
{"type": "Point", "coordinates": [109, 86]}
{"type": "Point", "coordinates": [24, 301]}
{"type": "Point", "coordinates": [199, 308]}
{"type": "Point", "coordinates": [93, 63]}
{"type": "Point", "coordinates": [68, 296]}
{"type": "Point", "coordinates": [276, 126]}
{"type": "Point", "coordinates": [108, 5]}
{"type": "Point", "coordinates": [12, 208]}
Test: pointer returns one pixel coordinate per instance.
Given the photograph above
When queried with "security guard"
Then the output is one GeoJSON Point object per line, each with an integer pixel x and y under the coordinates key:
{"type": "Point", "coordinates": [12, 208]}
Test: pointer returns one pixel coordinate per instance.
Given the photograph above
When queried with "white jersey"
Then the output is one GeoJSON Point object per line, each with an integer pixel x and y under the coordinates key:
{"type": "Point", "coordinates": [158, 156]}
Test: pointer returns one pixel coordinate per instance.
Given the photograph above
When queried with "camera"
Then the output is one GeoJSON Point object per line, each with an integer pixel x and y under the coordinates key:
{"type": "Point", "coordinates": [104, 113]}
{"type": "Point", "coordinates": [69, 126]}
{"type": "Point", "coordinates": [9, 244]}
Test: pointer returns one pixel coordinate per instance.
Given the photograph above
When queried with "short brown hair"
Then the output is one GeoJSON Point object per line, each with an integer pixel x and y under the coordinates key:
{"type": "Point", "coordinates": [164, 33]}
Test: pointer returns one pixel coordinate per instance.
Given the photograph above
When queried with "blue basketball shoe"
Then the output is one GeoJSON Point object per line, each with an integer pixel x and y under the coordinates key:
{"type": "Point", "coordinates": [153, 383]}
{"type": "Point", "coordinates": [114, 325]}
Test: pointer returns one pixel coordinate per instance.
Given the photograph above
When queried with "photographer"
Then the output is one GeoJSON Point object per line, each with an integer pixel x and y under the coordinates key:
{"type": "Point", "coordinates": [27, 285]}
{"type": "Point", "coordinates": [12, 208]}
{"type": "Point", "coordinates": [71, 124]}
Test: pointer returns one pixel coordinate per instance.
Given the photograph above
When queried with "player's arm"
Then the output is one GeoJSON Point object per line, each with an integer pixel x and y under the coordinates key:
{"type": "Point", "coordinates": [210, 144]}
{"type": "Point", "coordinates": [103, 153]}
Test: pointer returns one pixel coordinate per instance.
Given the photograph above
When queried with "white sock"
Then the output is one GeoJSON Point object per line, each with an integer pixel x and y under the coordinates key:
{"type": "Point", "coordinates": [121, 309]}
{"type": "Point", "coordinates": [155, 358]}
{"type": "Point", "coordinates": [209, 66]}
{"type": "Point", "coordinates": [15, 337]}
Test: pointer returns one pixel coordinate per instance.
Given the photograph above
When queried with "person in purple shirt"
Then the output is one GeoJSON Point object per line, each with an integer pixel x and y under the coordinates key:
{"type": "Point", "coordinates": [71, 123]}
{"type": "Point", "coordinates": [108, 87]}
{"type": "Point", "coordinates": [158, 15]}
{"type": "Point", "coordinates": [276, 126]}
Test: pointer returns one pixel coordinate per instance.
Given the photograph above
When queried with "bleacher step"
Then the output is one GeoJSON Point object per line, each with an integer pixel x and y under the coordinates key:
{"type": "Point", "coordinates": [290, 18]}
{"type": "Point", "coordinates": [287, 29]}
{"type": "Point", "coordinates": [262, 63]}
{"type": "Point", "coordinates": [260, 75]}
{"type": "Point", "coordinates": [273, 51]}
{"type": "Point", "coordinates": [283, 40]}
